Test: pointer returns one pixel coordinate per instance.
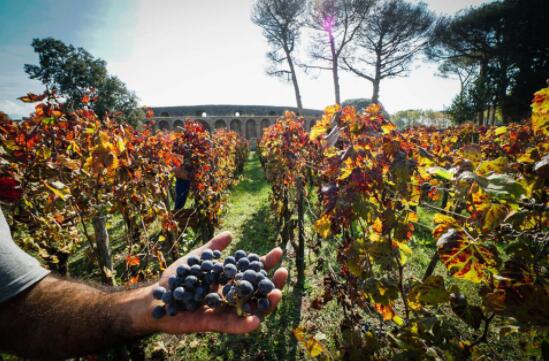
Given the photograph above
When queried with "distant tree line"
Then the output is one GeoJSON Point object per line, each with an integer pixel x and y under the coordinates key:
{"type": "Point", "coordinates": [499, 50]}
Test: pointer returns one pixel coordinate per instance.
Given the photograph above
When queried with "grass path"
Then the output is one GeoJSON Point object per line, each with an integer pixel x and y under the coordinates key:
{"type": "Point", "coordinates": [248, 217]}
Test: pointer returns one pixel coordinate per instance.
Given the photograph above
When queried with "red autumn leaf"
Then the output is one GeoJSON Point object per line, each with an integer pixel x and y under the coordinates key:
{"type": "Point", "coordinates": [9, 190]}
{"type": "Point", "coordinates": [132, 261]}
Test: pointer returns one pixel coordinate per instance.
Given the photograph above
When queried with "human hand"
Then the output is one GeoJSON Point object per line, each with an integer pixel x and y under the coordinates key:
{"type": "Point", "coordinates": [222, 319]}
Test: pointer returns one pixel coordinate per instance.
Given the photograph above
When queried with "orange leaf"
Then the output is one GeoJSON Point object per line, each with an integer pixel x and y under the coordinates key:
{"type": "Point", "coordinates": [132, 261]}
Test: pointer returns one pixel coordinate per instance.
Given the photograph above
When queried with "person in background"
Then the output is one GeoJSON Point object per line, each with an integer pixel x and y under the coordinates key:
{"type": "Point", "coordinates": [182, 186]}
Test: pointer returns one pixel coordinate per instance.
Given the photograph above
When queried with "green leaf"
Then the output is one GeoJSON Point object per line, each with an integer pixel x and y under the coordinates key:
{"type": "Point", "coordinates": [439, 172]}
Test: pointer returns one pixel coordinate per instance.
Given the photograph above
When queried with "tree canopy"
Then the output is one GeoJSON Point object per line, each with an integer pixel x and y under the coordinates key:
{"type": "Point", "coordinates": [74, 72]}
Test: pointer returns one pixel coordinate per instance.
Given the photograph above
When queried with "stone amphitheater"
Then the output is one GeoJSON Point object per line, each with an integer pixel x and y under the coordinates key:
{"type": "Point", "coordinates": [248, 120]}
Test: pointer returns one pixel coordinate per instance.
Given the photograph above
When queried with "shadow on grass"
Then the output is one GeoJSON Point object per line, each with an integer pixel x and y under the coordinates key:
{"type": "Point", "coordinates": [253, 179]}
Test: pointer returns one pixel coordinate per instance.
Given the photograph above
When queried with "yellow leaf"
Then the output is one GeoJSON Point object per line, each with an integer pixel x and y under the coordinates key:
{"type": "Point", "coordinates": [323, 226]}
{"type": "Point", "coordinates": [501, 130]}
{"type": "Point", "coordinates": [378, 226]}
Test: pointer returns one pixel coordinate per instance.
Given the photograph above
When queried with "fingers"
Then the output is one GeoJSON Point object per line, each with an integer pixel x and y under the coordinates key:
{"type": "Point", "coordinates": [274, 298]}
{"type": "Point", "coordinates": [219, 242]}
{"type": "Point", "coordinates": [272, 258]}
{"type": "Point", "coordinates": [279, 278]}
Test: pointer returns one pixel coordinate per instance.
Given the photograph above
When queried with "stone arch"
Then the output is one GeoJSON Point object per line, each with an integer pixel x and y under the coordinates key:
{"type": "Point", "coordinates": [236, 125]}
{"type": "Point", "coordinates": [265, 123]}
{"type": "Point", "coordinates": [177, 123]}
{"type": "Point", "coordinates": [220, 124]}
{"type": "Point", "coordinates": [163, 125]}
{"type": "Point", "coordinates": [204, 124]}
{"type": "Point", "coordinates": [250, 129]}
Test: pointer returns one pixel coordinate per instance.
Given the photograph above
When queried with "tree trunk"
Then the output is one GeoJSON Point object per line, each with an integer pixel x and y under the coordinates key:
{"type": "Point", "coordinates": [375, 95]}
{"type": "Point", "coordinates": [334, 68]}
{"type": "Point", "coordinates": [300, 259]}
{"type": "Point", "coordinates": [294, 81]}
{"type": "Point", "coordinates": [103, 247]}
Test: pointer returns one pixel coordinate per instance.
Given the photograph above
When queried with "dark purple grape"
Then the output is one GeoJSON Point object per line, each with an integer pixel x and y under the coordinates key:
{"type": "Point", "coordinates": [195, 270]}
{"type": "Point", "coordinates": [244, 289]}
{"type": "Point", "coordinates": [179, 293]}
{"type": "Point", "coordinates": [190, 281]}
{"type": "Point", "coordinates": [226, 289]}
{"type": "Point", "coordinates": [182, 271]}
{"type": "Point", "coordinates": [206, 266]}
{"type": "Point", "coordinates": [213, 300]}
{"type": "Point", "coordinates": [172, 282]}
{"type": "Point", "coordinates": [158, 292]}
{"type": "Point", "coordinates": [239, 254]}
{"type": "Point", "coordinates": [258, 277]}
{"type": "Point", "coordinates": [199, 293]}
{"type": "Point", "coordinates": [265, 286]}
{"type": "Point", "coordinates": [217, 267]}
{"type": "Point", "coordinates": [256, 266]}
{"type": "Point", "coordinates": [243, 263]}
{"type": "Point", "coordinates": [239, 276]}
{"type": "Point", "coordinates": [263, 304]}
{"type": "Point", "coordinates": [264, 273]}
{"type": "Point", "coordinates": [247, 307]}
{"type": "Point", "coordinates": [229, 259]}
{"type": "Point", "coordinates": [167, 297]}
{"type": "Point", "coordinates": [158, 312]}
{"type": "Point", "coordinates": [253, 257]}
{"type": "Point", "coordinates": [230, 270]}
{"type": "Point", "coordinates": [172, 309]}
{"type": "Point", "coordinates": [207, 254]}
{"type": "Point", "coordinates": [192, 260]}
{"type": "Point", "coordinates": [217, 253]}
{"type": "Point", "coordinates": [250, 276]}
{"type": "Point", "coordinates": [210, 278]}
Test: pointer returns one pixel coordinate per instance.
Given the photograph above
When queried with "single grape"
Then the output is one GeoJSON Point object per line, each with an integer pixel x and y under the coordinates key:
{"type": "Point", "coordinates": [256, 266]}
{"type": "Point", "coordinates": [213, 300]}
{"type": "Point", "coordinates": [192, 260]}
{"type": "Point", "coordinates": [253, 257]}
{"type": "Point", "coordinates": [247, 307]}
{"type": "Point", "coordinates": [206, 266]}
{"type": "Point", "coordinates": [210, 278]}
{"type": "Point", "coordinates": [229, 259]}
{"type": "Point", "coordinates": [226, 289]}
{"type": "Point", "coordinates": [199, 293]}
{"type": "Point", "coordinates": [179, 293]}
{"type": "Point", "coordinates": [167, 297]}
{"type": "Point", "coordinates": [244, 289]}
{"type": "Point", "coordinates": [217, 267]}
{"type": "Point", "coordinates": [250, 276]}
{"type": "Point", "coordinates": [158, 292]}
{"type": "Point", "coordinates": [190, 281]}
{"type": "Point", "coordinates": [195, 269]}
{"type": "Point", "coordinates": [217, 253]}
{"type": "Point", "coordinates": [264, 273]}
{"type": "Point", "coordinates": [239, 254]}
{"type": "Point", "coordinates": [172, 309]}
{"type": "Point", "coordinates": [158, 312]}
{"type": "Point", "coordinates": [172, 282]}
{"type": "Point", "coordinates": [258, 277]}
{"type": "Point", "coordinates": [207, 254]}
{"type": "Point", "coordinates": [263, 304]}
{"type": "Point", "coordinates": [243, 263]}
{"type": "Point", "coordinates": [265, 286]}
{"type": "Point", "coordinates": [182, 271]}
{"type": "Point", "coordinates": [239, 276]}
{"type": "Point", "coordinates": [230, 270]}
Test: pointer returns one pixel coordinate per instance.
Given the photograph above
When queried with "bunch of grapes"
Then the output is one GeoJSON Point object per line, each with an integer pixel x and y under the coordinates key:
{"type": "Point", "coordinates": [242, 278]}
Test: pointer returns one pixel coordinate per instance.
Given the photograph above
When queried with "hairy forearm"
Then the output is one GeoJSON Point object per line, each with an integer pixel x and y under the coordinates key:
{"type": "Point", "coordinates": [59, 318]}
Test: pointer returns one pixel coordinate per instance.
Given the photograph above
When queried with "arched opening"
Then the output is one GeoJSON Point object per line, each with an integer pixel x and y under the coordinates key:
{"type": "Point", "coordinates": [204, 124]}
{"type": "Point", "coordinates": [264, 124]}
{"type": "Point", "coordinates": [237, 114]}
{"type": "Point", "coordinates": [250, 129]}
{"type": "Point", "coordinates": [272, 112]}
{"type": "Point", "coordinates": [236, 125]}
{"type": "Point", "coordinates": [204, 114]}
{"type": "Point", "coordinates": [164, 114]}
{"type": "Point", "coordinates": [177, 123]}
{"type": "Point", "coordinates": [164, 125]}
{"type": "Point", "coordinates": [220, 124]}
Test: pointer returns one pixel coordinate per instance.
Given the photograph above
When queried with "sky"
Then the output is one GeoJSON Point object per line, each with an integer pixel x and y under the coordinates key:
{"type": "Point", "coordinates": [190, 52]}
